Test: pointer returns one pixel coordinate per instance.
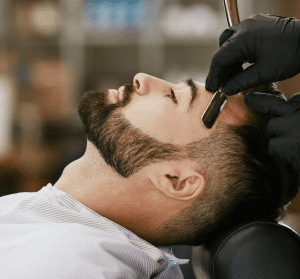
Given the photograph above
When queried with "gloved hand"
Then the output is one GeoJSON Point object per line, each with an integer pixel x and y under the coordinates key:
{"type": "Point", "coordinates": [284, 128]}
{"type": "Point", "coordinates": [271, 42]}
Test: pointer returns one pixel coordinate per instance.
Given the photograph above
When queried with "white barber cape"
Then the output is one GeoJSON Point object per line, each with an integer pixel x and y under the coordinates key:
{"type": "Point", "coordinates": [49, 234]}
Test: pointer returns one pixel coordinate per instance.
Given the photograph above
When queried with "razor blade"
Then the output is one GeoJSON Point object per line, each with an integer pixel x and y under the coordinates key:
{"type": "Point", "coordinates": [214, 108]}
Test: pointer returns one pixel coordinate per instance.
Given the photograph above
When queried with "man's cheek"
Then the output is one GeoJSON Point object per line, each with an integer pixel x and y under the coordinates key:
{"type": "Point", "coordinates": [151, 117]}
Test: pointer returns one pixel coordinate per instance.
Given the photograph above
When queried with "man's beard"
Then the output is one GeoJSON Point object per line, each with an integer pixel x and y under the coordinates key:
{"type": "Point", "coordinates": [123, 147]}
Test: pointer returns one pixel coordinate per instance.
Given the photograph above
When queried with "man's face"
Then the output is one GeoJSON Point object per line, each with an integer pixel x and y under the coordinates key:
{"type": "Point", "coordinates": [136, 125]}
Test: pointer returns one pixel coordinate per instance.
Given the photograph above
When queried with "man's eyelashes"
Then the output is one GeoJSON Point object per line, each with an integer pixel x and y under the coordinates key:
{"type": "Point", "coordinates": [172, 96]}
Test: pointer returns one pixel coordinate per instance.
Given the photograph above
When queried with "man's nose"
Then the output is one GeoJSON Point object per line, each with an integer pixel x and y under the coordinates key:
{"type": "Point", "coordinates": [146, 84]}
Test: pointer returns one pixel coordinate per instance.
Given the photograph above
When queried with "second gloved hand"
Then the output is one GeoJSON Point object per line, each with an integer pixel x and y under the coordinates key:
{"type": "Point", "coordinates": [284, 128]}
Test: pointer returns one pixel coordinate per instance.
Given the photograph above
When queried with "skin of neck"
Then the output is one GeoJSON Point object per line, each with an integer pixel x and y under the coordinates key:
{"type": "Point", "coordinates": [134, 203]}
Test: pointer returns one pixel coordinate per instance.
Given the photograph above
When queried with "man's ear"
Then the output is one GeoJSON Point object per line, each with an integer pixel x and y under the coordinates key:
{"type": "Point", "coordinates": [178, 179]}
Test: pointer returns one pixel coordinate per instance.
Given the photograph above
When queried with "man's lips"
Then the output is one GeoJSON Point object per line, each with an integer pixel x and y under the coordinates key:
{"type": "Point", "coordinates": [120, 92]}
{"type": "Point", "coordinates": [116, 95]}
{"type": "Point", "coordinates": [113, 95]}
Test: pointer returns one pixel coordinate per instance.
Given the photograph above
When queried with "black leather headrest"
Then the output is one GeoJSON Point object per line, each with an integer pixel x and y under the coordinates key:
{"type": "Point", "coordinates": [255, 250]}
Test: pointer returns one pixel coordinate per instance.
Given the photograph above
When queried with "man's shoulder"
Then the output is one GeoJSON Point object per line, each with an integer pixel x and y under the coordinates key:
{"type": "Point", "coordinates": [71, 235]}
{"type": "Point", "coordinates": [66, 250]}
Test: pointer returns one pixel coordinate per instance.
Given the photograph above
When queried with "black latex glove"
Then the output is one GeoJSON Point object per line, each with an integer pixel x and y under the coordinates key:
{"type": "Point", "coordinates": [271, 42]}
{"type": "Point", "coordinates": [284, 128]}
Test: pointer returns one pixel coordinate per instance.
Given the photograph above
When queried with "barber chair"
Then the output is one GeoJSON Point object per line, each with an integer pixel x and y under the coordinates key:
{"type": "Point", "coordinates": [254, 250]}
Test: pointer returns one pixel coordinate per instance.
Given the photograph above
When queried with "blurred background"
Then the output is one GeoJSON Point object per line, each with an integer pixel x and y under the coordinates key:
{"type": "Point", "coordinates": [51, 52]}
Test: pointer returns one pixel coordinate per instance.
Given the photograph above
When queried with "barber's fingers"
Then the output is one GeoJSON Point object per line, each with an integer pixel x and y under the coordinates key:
{"type": "Point", "coordinates": [226, 34]}
{"type": "Point", "coordinates": [275, 145]}
{"type": "Point", "coordinates": [213, 83]}
{"type": "Point", "coordinates": [278, 126]}
{"type": "Point", "coordinates": [295, 99]}
{"type": "Point", "coordinates": [287, 147]}
{"type": "Point", "coordinates": [246, 79]}
{"type": "Point", "coordinates": [269, 103]}
{"type": "Point", "coordinates": [225, 61]}
{"type": "Point", "coordinates": [223, 64]}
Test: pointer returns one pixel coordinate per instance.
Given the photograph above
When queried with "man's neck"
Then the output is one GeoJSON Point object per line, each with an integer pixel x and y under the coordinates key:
{"type": "Point", "coordinates": [132, 202]}
{"type": "Point", "coordinates": [109, 195]}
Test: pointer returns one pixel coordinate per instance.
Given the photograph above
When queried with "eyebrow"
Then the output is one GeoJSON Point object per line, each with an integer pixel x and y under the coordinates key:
{"type": "Point", "coordinates": [190, 82]}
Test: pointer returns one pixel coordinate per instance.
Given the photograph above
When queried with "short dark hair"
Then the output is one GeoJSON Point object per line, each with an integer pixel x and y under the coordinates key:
{"type": "Point", "coordinates": [244, 181]}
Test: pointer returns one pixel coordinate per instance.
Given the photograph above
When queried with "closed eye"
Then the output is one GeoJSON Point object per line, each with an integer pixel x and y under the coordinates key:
{"type": "Point", "coordinates": [172, 96]}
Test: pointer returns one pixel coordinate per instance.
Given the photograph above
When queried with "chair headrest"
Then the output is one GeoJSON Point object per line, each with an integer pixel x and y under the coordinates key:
{"type": "Point", "coordinates": [255, 250]}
